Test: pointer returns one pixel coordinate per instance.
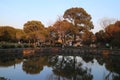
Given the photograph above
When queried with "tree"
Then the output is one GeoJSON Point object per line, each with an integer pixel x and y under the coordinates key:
{"type": "Point", "coordinates": [35, 31]}
{"type": "Point", "coordinates": [80, 19]}
{"type": "Point", "coordinates": [106, 22]}
{"type": "Point", "coordinates": [102, 37]}
{"type": "Point", "coordinates": [32, 26]}
{"type": "Point", "coordinates": [112, 28]}
{"type": "Point", "coordinates": [7, 33]}
{"type": "Point", "coordinates": [110, 35]}
{"type": "Point", "coordinates": [113, 32]}
{"type": "Point", "coordinates": [20, 35]}
{"type": "Point", "coordinates": [88, 37]}
{"type": "Point", "coordinates": [63, 28]}
{"type": "Point", "coordinates": [53, 35]}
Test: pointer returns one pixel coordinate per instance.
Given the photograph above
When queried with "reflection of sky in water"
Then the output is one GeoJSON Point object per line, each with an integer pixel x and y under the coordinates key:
{"type": "Point", "coordinates": [16, 72]}
{"type": "Point", "coordinates": [12, 72]}
{"type": "Point", "coordinates": [98, 71]}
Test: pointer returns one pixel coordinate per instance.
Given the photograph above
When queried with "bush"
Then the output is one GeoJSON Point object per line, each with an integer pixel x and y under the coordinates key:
{"type": "Point", "coordinates": [4, 46]}
{"type": "Point", "coordinates": [58, 44]}
{"type": "Point", "coordinates": [19, 46]}
{"type": "Point", "coordinates": [26, 45]}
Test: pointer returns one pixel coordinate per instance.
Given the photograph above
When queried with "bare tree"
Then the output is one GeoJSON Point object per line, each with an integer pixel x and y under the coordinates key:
{"type": "Point", "coordinates": [104, 22]}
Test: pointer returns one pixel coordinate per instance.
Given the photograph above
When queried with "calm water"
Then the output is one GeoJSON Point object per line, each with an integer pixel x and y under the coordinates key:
{"type": "Point", "coordinates": [84, 67]}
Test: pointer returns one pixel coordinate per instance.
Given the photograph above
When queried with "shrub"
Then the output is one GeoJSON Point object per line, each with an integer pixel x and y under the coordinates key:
{"type": "Point", "coordinates": [58, 44]}
{"type": "Point", "coordinates": [19, 46]}
{"type": "Point", "coordinates": [4, 46]}
{"type": "Point", "coordinates": [26, 45]}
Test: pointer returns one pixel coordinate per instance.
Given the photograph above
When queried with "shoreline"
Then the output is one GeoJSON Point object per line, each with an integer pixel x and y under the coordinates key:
{"type": "Point", "coordinates": [59, 50]}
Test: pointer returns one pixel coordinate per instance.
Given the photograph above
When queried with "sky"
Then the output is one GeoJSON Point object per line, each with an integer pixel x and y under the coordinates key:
{"type": "Point", "coordinates": [16, 13]}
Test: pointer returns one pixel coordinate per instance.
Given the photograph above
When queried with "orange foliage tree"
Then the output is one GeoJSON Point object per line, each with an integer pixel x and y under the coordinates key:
{"type": "Point", "coordinates": [63, 29]}
{"type": "Point", "coordinates": [113, 32]}
{"type": "Point", "coordinates": [35, 31]}
{"type": "Point", "coordinates": [80, 19]}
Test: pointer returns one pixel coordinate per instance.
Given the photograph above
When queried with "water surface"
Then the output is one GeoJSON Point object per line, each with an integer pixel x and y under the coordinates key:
{"type": "Point", "coordinates": [59, 67]}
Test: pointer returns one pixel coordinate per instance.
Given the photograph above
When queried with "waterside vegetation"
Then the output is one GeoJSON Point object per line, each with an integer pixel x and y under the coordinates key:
{"type": "Point", "coordinates": [72, 29]}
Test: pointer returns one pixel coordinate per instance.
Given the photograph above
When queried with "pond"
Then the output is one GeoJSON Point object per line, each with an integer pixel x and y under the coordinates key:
{"type": "Point", "coordinates": [61, 67]}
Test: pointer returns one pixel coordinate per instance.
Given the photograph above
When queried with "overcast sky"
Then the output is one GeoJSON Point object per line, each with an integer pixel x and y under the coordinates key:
{"type": "Point", "coordinates": [17, 12]}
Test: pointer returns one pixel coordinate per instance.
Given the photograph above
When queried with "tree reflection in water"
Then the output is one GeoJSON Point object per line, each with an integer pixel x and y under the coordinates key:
{"type": "Point", "coordinates": [3, 78]}
{"type": "Point", "coordinates": [69, 67]}
{"type": "Point", "coordinates": [35, 65]}
{"type": "Point", "coordinates": [10, 62]}
{"type": "Point", "coordinates": [113, 65]}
